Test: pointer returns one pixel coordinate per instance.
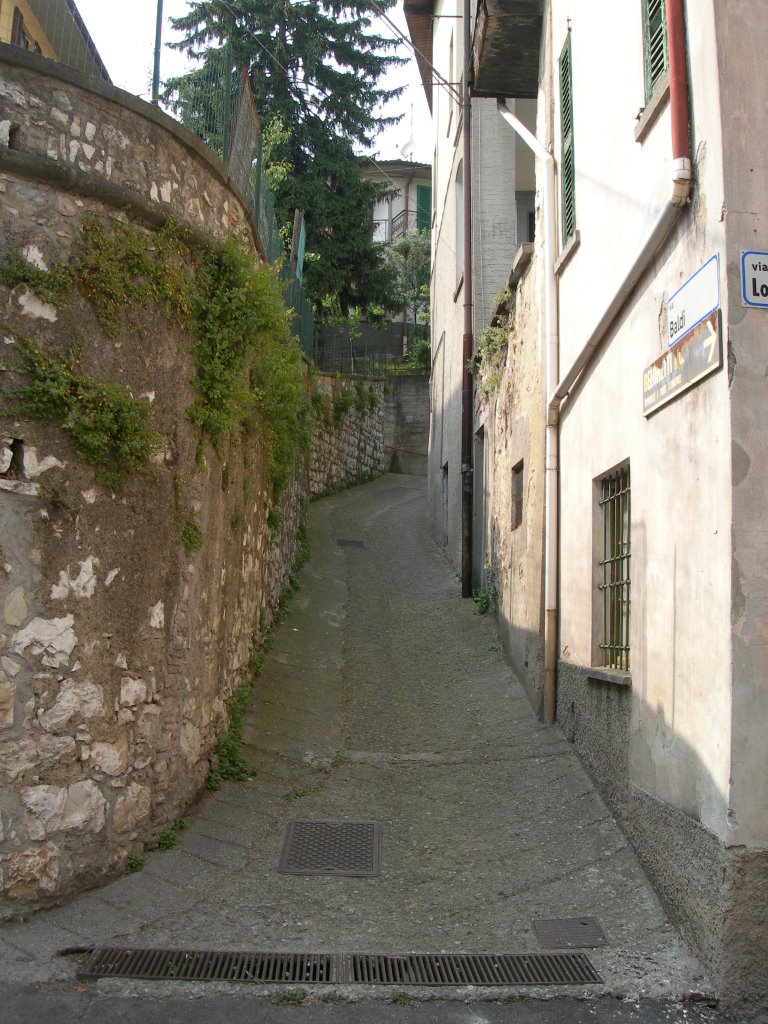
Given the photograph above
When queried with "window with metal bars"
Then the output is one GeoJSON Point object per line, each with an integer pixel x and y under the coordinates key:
{"type": "Point", "coordinates": [615, 582]}
{"type": "Point", "coordinates": [654, 43]}
{"type": "Point", "coordinates": [567, 162]}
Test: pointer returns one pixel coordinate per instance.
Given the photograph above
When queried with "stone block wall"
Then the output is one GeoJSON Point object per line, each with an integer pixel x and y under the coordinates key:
{"type": "Point", "coordinates": [348, 441]}
{"type": "Point", "coordinates": [119, 649]}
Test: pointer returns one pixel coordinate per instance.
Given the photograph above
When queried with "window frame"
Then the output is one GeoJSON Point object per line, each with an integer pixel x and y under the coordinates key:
{"type": "Point", "coordinates": [18, 35]}
{"type": "Point", "coordinates": [613, 575]}
{"type": "Point", "coordinates": [423, 212]}
{"type": "Point", "coordinates": [518, 494]}
{"type": "Point", "coordinates": [655, 45]}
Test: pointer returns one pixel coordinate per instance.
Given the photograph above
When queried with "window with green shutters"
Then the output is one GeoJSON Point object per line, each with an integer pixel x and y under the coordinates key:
{"type": "Point", "coordinates": [654, 43]}
{"type": "Point", "coordinates": [423, 207]}
{"type": "Point", "coordinates": [567, 163]}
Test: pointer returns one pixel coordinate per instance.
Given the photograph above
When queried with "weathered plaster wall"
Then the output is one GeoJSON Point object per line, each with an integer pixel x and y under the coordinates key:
{"type": "Point", "coordinates": [742, 39]}
{"type": "Point", "coordinates": [406, 425]}
{"type": "Point", "coordinates": [514, 440]}
{"type": "Point", "coordinates": [680, 753]}
{"type": "Point", "coordinates": [679, 746]}
{"type": "Point", "coordinates": [119, 652]}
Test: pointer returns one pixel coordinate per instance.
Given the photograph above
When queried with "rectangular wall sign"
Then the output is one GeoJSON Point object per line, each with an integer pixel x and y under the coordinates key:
{"type": "Point", "coordinates": [693, 357]}
{"type": "Point", "coordinates": [754, 278]}
{"type": "Point", "coordinates": [694, 301]}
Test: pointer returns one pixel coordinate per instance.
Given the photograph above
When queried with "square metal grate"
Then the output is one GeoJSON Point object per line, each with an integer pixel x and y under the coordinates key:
{"type": "Point", "coordinates": [348, 542]}
{"type": "Point", "coordinates": [332, 848]}
{"type": "Point", "coordinates": [569, 933]}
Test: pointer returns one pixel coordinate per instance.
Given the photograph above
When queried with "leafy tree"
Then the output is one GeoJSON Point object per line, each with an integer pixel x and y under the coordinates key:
{"type": "Point", "coordinates": [408, 258]}
{"type": "Point", "coordinates": [314, 67]}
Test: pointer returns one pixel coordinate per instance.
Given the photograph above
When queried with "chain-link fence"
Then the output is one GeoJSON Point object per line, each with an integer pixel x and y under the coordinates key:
{"type": "Point", "coordinates": [371, 350]}
{"type": "Point", "coordinates": [54, 29]}
{"type": "Point", "coordinates": [214, 101]}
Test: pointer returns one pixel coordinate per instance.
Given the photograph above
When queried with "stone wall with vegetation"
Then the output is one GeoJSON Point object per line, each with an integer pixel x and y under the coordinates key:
{"type": "Point", "coordinates": [156, 423]}
{"type": "Point", "coordinates": [348, 435]}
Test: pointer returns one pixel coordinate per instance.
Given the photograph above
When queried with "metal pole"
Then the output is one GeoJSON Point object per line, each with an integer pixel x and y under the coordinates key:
{"type": "Point", "coordinates": [467, 404]}
{"type": "Point", "coordinates": [158, 41]}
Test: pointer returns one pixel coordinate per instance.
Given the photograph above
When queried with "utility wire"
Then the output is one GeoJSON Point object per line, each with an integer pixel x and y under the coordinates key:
{"type": "Point", "coordinates": [274, 59]}
{"type": "Point", "coordinates": [403, 38]}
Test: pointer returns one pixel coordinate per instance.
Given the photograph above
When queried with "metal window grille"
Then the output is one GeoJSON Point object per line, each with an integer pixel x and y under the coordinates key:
{"type": "Point", "coordinates": [615, 569]}
{"type": "Point", "coordinates": [567, 160]}
{"type": "Point", "coordinates": [654, 43]}
{"type": "Point", "coordinates": [517, 496]}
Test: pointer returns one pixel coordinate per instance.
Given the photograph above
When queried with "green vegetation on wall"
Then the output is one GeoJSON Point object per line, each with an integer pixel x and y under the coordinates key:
{"type": "Point", "coordinates": [117, 267]}
{"type": "Point", "coordinates": [249, 374]}
{"type": "Point", "coordinates": [107, 426]}
{"type": "Point", "coordinates": [491, 345]}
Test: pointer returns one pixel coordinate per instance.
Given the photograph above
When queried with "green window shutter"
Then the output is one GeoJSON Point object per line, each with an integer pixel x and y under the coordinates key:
{"type": "Point", "coordinates": [567, 163]}
{"type": "Point", "coordinates": [654, 43]}
{"type": "Point", "coordinates": [423, 207]}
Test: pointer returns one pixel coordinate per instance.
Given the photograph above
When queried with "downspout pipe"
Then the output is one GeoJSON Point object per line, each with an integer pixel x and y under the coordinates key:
{"type": "Point", "coordinates": [552, 368]}
{"type": "Point", "coordinates": [680, 192]}
{"type": "Point", "coordinates": [557, 391]}
{"type": "Point", "coordinates": [468, 343]}
{"type": "Point", "coordinates": [679, 195]}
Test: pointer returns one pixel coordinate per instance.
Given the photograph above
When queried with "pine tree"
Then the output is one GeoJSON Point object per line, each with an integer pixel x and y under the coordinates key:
{"type": "Point", "coordinates": [314, 67]}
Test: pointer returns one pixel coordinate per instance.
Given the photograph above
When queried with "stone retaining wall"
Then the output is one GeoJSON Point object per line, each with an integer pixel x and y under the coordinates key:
{"type": "Point", "coordinates": [119, 650]}
{"type": "Point", "coordinates": [347, 448]}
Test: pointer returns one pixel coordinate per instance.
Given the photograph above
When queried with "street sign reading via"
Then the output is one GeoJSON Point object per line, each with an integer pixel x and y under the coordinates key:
{"type": "Point", "coordinates": [754, 278]}
{"type": "Point", "coordinates": [694, 301]}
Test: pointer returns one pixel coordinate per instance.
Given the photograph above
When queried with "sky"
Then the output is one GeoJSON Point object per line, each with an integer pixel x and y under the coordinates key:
{"type": "Point", "coordinates": [125, 38]}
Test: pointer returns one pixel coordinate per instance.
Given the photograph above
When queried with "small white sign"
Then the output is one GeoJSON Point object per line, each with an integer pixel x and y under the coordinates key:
{"type": "Point", "coordinates": [694, 301]}
{"type": "Point", "coordinates": [754, 278]}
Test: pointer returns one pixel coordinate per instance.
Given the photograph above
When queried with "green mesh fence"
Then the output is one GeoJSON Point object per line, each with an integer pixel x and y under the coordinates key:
{"type": "Point", "coordinates": [203, 100]}
{"type": "Point", "coordinates": [217, 105]}
{"type": "Point", "coordinates": [54, 29]}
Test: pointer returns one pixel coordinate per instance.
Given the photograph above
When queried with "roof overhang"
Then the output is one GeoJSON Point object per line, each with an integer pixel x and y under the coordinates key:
{"type": "Point", "coordinates": [418, 17]}
{"type": "Point", "coordinates": [506, 47]}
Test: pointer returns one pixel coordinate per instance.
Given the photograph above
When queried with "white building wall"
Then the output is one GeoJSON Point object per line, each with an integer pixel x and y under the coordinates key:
{"type": "Point", "coordinates": [742, 34]}
{"type": "Point", "coordinates": [679, 750]}
{"type": "Point", "coordinates": [446, 297]}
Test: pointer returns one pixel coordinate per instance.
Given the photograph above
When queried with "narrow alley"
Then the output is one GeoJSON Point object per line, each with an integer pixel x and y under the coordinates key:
{"type": "Point", "coordinates": [384, 698]}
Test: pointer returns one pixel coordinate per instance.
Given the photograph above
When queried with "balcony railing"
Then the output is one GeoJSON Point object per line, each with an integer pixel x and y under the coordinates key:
{"type": "Point", "coordinates": [405, 221]}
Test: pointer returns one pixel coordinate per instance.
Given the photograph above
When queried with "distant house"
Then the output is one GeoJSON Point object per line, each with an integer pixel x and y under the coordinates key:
{"type": "Point", "coordinates": [409, 207]}
{"type": "Point", "coordinates": [54, 29]}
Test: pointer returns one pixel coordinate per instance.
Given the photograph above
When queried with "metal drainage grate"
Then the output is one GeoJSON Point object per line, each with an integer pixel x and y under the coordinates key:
{"type": "Point", "coordinates": [427, 969]}
{"type": "Point", "coordinates": [473, 969]}
{"type": "Point", "coordinates": [569, 933]}
{"type": "Point", "coordinates": [205, 965]}
{"type": "Point", "coordinates": [332, 848]}
{"type": "Point", "coordinates": [347, 542]}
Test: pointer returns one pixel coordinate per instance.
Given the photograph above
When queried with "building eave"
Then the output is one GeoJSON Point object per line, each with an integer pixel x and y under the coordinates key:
{"type": "Point", "coordinates": [418, 17]}
{"type": "Point", "coordinates": [506, 48]}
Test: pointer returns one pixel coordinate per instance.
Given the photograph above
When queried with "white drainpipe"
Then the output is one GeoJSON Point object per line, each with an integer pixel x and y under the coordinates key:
{"type": "Point", "coordinates": [557, 391]}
